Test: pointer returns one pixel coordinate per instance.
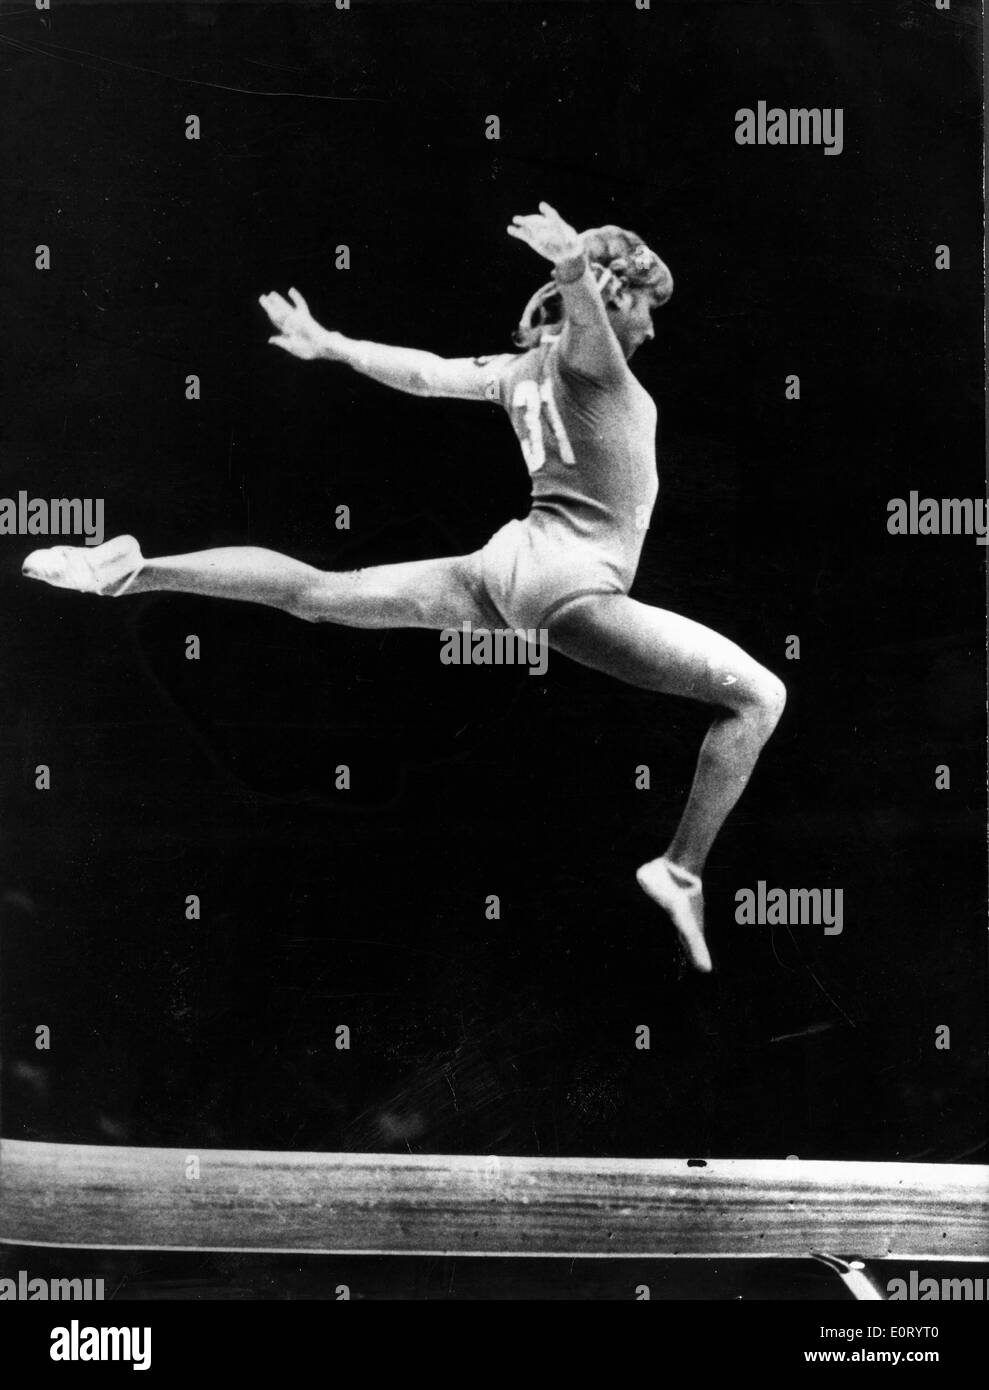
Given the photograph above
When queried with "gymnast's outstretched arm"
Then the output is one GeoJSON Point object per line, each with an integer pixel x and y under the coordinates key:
{"type": "Point", "coordinates": [404, 369]}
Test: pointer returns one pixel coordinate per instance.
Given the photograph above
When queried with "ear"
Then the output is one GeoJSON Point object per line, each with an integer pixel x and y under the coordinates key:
{"type": "Point", "coordinates": [622, 301]}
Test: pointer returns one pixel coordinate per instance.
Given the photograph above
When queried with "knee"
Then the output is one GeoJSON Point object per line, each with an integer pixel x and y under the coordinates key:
{"type": "Point", "coordinates": [769, 701]}
{"type": "Point", "coordinates": [306, 601]}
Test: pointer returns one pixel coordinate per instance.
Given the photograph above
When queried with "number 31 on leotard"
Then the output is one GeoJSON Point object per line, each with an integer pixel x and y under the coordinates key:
{"type": "Point", "coordinates": [531, 398]}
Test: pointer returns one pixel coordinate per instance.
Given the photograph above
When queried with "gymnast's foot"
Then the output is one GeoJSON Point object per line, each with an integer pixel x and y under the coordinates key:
{"type": "Point", "coordinates": [108, 569]}
{"type": "Point", "coordinates": [679, 893]}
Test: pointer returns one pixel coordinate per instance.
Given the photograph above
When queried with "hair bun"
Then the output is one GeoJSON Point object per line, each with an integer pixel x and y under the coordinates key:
{"type": "Point", "coordinates": [628, 258]}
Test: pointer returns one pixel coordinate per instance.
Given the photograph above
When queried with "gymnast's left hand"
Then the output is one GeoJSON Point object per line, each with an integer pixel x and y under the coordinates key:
{"type": "Point", "coordinates": [548, 235]}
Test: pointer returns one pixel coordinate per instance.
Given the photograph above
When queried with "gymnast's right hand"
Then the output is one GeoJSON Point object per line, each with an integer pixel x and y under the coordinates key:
{"type": "Point", "coordinates": [298, 332]}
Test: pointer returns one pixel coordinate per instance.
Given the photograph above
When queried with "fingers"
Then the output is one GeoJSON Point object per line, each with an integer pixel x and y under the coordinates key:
{"type": "Point", "coordinates": [275, 307]}
{"type": "Point", "coordinates": [527, 227]}
{"type": "Point", "coordinates": [279, 309]}
{"type": "Point", "coordinates": [278, 341]}
{"type": "Point", "coordinates": [546, 213]}
{"type": "Point", "coordinates": [547, 219]}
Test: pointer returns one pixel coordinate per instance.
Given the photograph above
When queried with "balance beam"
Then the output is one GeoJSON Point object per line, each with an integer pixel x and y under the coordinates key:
{"type": "Point", "coordinates": [100, 1197]}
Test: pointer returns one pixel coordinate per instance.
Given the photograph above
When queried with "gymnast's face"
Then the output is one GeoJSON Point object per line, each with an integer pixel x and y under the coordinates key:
{"type": "Point", "coordinates": [631, 314]}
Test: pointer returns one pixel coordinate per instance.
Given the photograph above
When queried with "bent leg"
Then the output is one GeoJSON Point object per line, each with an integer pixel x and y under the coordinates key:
{"type": "Point", "coordinates": [421, 593]}
{"type": "Point", "coordinates": [658, 650]}
{"type": "Point", "coordinates": [662, 651]}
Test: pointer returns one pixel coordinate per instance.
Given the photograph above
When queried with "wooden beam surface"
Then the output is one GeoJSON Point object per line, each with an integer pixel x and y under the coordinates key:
{"type": "Point", "coordinates": [96, 1196]}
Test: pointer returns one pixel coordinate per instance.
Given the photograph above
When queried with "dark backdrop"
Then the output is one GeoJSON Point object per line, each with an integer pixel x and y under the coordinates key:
{"type": "Point", "coordinates": [367, 907]}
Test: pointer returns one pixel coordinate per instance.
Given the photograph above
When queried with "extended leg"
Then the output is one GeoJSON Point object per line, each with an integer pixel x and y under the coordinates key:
{"type": "Point", "coordinates": [662, 651]}
{"type": "Point", "coordinates": [421, 593]}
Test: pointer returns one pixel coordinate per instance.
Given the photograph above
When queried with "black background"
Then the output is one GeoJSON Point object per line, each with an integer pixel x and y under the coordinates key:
{"type": "Point", "coordinates": [367, 907]}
